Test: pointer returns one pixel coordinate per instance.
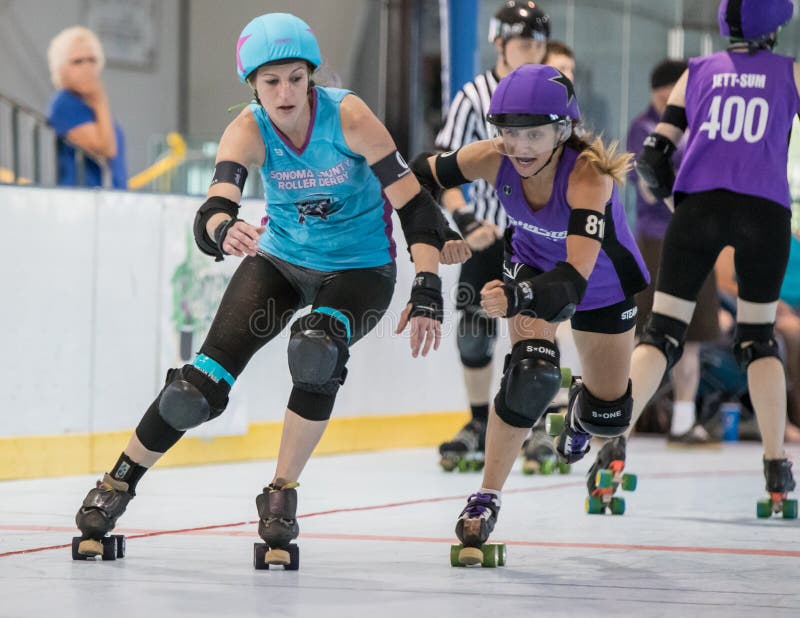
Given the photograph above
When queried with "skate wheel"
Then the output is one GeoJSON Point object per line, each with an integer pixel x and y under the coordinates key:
{"type": "Point", "coordinates": [491, 555]}
{"type": "Point", "coordinates": [763, 509]}
{"type": "Point", "coordinates": [448, 465]}
{"type": "Point", "coordinates": [617, 506]}
{"type": "Point", "coordinates": [502, 554]}
{"type": "Point", "coordinates": [119, 539]}
{"type": "Point", "coordinates": [554, 424]}
{"type": "Point", "coordinates": [468, 556]}
{"type": "Point", "coordinates": [530, 467]}
{"type": "Point", "coordinates": [463, 465]}
{"type": "Point", "coordinates": [86, 548]}
{"type": "Point", "coordinates": [566, 377]}
{"type": "Point", "coordinates": [790, 509]}
{"type": "Point", "coordinates": [109, 548]}
{"type": "Point", "coordinates": [564, 467]}
{"type": "Point", "coordinates": [548, 466]}
{"type": "Point", "coordinates": [76, 555]}
{"type": "Point", "coordinates": [455, 550]}
{"type": "Point", "coordinates": [259, 553]}
{"type": "Point", "coordinates": [594, 505]}
{"type": "Point", "coordinates": [629, 482]}
{"type": "Point", "coordinates": [604, 479]}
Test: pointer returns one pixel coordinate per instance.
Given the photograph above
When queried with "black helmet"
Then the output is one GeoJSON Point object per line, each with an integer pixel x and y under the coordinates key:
{"type": "Point", "coordinates": [520, 18]}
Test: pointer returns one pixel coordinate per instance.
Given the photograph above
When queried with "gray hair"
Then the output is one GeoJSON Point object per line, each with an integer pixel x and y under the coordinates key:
{"type": "Point", "coordinates": [62, 43]}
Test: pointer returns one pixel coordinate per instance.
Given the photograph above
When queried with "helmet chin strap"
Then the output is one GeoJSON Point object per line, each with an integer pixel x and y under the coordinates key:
{"type": "Point", "coordinates": [549, 160]}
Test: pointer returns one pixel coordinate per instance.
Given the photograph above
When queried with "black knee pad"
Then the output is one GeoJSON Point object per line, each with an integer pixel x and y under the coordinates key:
{"type": "Point", "coordinates": [318, 353]}
{"type": "Point", "coordinates": [667, 334]}
{"type": "Point", "coordinates": [477, 334]}
{"type": "Point", "coordinates": [190, 398]}
{"type": "Point", "coordinates": [603, 418]}
{"type": "Point", "coordinates": [531, 379]}
{"type": "Point", "coordinates": [754, 341]}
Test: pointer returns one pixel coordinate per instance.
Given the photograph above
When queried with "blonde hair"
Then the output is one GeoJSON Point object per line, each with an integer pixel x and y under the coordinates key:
{"type": "Point", "coordinates": [62, 43]}
{"type": "Point", "coordinates": [605, 159]}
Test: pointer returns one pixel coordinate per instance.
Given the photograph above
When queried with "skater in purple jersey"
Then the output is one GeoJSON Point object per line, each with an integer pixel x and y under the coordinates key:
{"type": "Point", "coordinates": [570, 256]}
{"type": "Point", "coordinates": [731, 189]}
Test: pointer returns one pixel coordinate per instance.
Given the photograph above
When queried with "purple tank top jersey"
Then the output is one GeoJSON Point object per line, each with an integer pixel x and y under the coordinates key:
{"type": "Point", "coordinates": [740, 109]}
{"type": "Point", "coordinates": [539, 237]}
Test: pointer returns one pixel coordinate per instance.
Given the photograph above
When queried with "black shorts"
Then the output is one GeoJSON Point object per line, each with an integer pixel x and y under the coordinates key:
{"type": "Point", "coordinates": [759, 230]}
{"type": "Point", "coordinates": [483, 267]}
{"type": "Point", "coordinates": [611, 320]}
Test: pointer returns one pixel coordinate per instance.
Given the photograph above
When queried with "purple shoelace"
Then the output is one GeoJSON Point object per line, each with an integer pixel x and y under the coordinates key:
{"type": "Point", "coordinates": [477, 504]}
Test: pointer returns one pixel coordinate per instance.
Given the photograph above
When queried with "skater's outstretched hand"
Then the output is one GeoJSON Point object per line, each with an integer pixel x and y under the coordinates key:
{"type": "Point", "coordinates": [424, 312]}
{"type": "Point", "coordinates": [455, 252]}
{"type": "Point", "coordinates": [494, 300]}
{"type": "Point", "coordinates": [239, 238]}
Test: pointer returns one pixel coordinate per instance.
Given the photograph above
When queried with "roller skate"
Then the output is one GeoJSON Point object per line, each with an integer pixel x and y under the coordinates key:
{"type": "Point", "coordinates": [97, 517]}
{"type": "Point", "coordinates": [572, 441]}
{"type": "Point", "coordinates": [780, 482]}
{"type": "Point", "coordinates": [540, 456]}
{"type": "Point", "coordinates": [473, 528]}
{"type": "Point", "coordinates": [277, 509]}
{"type": "Point", "coordinates": [605, 476]}
{"type": "Point", "coordinates": [465, 450]}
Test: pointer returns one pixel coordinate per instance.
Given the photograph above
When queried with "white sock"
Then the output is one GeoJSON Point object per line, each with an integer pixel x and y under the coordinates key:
{"type": "Point", "coordinates": [493, 492]}
{"type": "Point", "coordinates": [683, 415]}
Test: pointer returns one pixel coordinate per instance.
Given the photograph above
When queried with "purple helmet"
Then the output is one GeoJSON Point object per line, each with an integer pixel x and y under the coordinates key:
{"type": "Point", "coordinates": [752, 19]}
{"type": "Point", "coordinates": [533, 94]}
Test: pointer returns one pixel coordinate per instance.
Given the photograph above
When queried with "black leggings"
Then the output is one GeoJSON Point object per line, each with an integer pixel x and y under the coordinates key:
{"type": "Point", "coordinates": [257, 305]}
{"type": "Point", "coordinates": [704, 223]}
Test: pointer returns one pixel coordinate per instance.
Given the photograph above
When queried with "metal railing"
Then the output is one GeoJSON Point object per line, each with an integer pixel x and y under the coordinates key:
{"type": "Point", "coordinates": [29, 147]}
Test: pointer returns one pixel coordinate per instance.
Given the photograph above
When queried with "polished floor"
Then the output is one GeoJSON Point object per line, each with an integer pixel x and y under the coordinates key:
{"type": "Point", "coordinates": [375, 536]}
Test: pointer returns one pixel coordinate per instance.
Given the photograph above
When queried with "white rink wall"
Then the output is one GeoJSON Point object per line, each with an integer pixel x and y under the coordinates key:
{"type": "Point", "coordinates": [88, 330]}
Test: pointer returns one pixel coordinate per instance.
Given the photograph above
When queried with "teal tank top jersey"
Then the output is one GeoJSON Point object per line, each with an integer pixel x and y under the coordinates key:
{"type": "Point", "coordinates": [325, 207]}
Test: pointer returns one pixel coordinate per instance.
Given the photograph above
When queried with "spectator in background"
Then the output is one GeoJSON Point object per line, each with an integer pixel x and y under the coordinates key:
{"type": "Point", "coordinates": [80, 113]}
{"type": "Point", "coordinates": [652, 217]}
{"type": "Point", "coordinates": [561, 57]}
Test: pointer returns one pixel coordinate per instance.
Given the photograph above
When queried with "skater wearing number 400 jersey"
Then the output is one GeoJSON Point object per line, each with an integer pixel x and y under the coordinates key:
{"type": "Point", "coordinates": [570, 256]}
{"type": "Point", "coordinates": [731, 189]}
{"type": "Point", "coordinates": [330, 247]}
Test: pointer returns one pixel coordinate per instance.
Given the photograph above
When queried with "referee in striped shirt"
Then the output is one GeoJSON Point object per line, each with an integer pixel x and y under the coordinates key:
{"type": "Point", "coordinates": [519, 31]}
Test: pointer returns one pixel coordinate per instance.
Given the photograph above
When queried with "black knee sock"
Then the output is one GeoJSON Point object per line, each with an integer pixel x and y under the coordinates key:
{"type": "Point", "coordinates": [480, 413]}
{"type": "Point", "coordinates": [127, 471]}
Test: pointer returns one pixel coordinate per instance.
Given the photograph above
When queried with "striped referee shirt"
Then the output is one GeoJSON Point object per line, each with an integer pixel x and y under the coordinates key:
{"type": "Point", "coordinates": [466, 123]}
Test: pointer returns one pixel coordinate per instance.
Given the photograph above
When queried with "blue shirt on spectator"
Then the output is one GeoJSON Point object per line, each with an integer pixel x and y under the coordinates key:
{"type": "Point", "coordinates": [67, 111]}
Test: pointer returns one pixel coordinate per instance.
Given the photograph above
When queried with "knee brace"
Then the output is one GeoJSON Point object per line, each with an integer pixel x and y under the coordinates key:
{"type": "Point", "coordinates": [476, 337]}
{"type": "Point", "coordinates": [667, 334]}
{"type": "Point", "coordinates": [318, 351]}
{"type": "Point", "coordinates": [531, 378]}
{"type": "Point", "coordinates": [602, 418]}
{"type": "Point", "coordinates": [194, 393]}
{"type": "Point", "coordinates": [754, 341]}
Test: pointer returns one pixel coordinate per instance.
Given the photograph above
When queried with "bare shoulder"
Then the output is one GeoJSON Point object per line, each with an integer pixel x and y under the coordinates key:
{"type": "Point", "coordinates": [588, 186]}
{"type": "Point", "coordinates": [355, 114]}
{"type": "Point", "coordinates": [242, 140]}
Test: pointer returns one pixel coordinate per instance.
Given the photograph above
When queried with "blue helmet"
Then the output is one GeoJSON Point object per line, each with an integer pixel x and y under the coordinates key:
{"type": "Point", "coordinates": [275, 36]}
{"type": "Point", "coordinates": [752, 19]}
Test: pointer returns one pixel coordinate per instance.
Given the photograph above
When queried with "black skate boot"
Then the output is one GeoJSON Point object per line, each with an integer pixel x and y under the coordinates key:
{"type": "Point", "coordinates": [572, 441]}
{"type": "Point", "coordinates": [277, 510]}
{"type": "Point", "coordinates": [540, 456]}
{"type": "Point", "coordinates": [780, 482]}
{"type": "Point", "coordinates": [473, 528]}
{"type": "Point", "coordinates": [97, 517]}
{"type": "Point", "coordinates": [465, 450]}
{"type": "Point", "coordinates": [605, 476]}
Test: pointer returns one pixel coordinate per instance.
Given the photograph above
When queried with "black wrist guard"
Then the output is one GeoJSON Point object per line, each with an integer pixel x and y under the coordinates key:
{"type": "Point", "coordinates": [466, 222]}
{"type": "Point", "coordinates": [426, 296]}
{"type": "Point", "coordinates": [654, 165]}
{"type": "Point", "coordinates": [212, 206]}
{"type": "Point", "coordinates": [220, 233]}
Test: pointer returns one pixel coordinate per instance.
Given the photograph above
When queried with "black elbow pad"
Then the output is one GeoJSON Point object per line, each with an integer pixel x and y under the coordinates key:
{"type": "Point", "coordinates": [654, 165]}
{"type": "Point", "coordinates": [422, 170]}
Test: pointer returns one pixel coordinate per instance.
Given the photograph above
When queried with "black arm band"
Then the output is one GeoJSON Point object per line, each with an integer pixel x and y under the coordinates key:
{"type": "Point", "coordinates": [422, 221]}
{"type": "Point", "coordinates": [230, 172]}
{"type": "Point", "coordinates": [676, 116]}
{"type": "Point", "coordinates": [588, 223]}
{"type": "Point", "coordinates": [211, 207]}
{"type": "Point", "coordinates": [422, 170]}
{"type": "Point", "coordinates": [390, 169]}
{"type": "Point", "coordinates": [447, 170]}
